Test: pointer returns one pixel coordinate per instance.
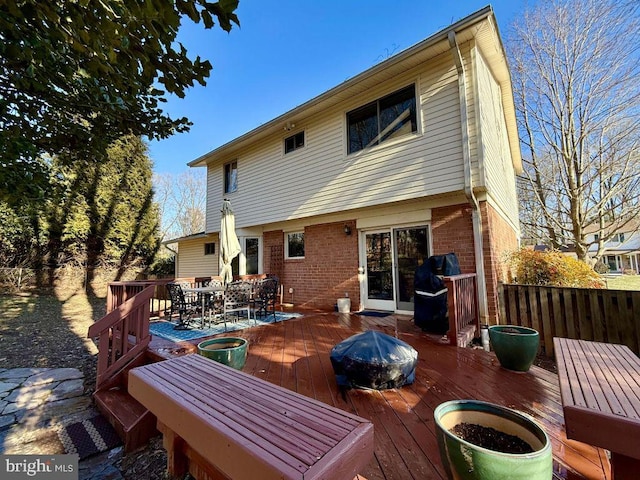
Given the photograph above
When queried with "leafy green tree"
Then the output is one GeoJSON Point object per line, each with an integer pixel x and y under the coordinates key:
{"type": "Point", "coordinates": [77, 75]}
{"type": "Point", "coordinates": [16, 237]}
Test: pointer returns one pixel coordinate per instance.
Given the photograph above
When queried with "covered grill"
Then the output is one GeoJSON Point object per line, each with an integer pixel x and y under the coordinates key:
{"type": "Point", "coordinates": [430, 299]}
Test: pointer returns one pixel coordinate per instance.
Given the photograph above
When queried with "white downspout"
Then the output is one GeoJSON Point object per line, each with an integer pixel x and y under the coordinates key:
{"type": "Point", "coordinates": [476, 216]}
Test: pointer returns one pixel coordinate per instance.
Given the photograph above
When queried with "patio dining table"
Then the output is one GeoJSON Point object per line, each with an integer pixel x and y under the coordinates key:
{"type": "Point", "coordinates": [203, 293]}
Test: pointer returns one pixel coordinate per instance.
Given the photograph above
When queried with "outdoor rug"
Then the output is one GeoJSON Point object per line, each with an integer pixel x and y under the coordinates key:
{"type": "Point", "coordinates": [165, 329]}
{"type": "Point", "coordinates": [372, 313]}
{"type": "Point", "coordinates": [89, 437]}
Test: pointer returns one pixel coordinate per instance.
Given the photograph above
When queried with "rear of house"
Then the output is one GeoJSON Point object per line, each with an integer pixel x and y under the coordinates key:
{"type": "Point", "coordinates": [350, 192]}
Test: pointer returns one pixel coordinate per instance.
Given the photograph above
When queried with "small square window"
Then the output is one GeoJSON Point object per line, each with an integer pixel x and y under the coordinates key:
{"type": "Point", "coordinates": [230, 177]}
{"type": "Point", "coordinates": [210, 248]}
{"type": "Point", "coordinates": [294, 245]}
{"type": "Point", "coordinates": [294, 142]}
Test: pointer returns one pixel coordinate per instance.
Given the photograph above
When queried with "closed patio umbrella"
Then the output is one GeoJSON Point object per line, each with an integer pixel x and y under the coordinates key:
{"type": "Point", "coordinates": [229, 244]}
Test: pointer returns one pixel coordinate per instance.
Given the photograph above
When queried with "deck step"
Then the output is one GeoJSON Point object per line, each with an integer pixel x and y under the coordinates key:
{"type": "Point", "coordinates": [132, 421]}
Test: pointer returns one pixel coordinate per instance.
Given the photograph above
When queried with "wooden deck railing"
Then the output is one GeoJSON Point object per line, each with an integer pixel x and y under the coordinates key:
{"type": "Point", "coordinates": [462, 304]}
{"type": "Point", "coordinates": [122, 334]}
{"type": "Point", "coordinates": [119, 292]}
{"type": "Point", "coordinates": [609, 316]}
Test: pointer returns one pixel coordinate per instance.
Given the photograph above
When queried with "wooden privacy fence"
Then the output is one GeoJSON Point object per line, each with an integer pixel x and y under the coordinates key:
{"type": "Point", "coordinates": [610, 316]}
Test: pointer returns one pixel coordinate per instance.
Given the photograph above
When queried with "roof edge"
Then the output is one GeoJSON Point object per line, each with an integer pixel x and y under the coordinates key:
{"type": "Point", "coordinates": [186, 237]}
{"type": "Point", "coordinates": [441, 35]}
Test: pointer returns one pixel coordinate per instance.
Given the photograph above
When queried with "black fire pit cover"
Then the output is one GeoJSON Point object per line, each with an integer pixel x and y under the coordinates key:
{"type": "Point", "coordinates": [374, 360]}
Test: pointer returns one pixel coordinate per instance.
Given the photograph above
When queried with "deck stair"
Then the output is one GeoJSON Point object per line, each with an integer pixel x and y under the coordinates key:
{"type": "Point", "coordinates": [123, 336]}
{"type": "Point", "coordinates": [134, 424]}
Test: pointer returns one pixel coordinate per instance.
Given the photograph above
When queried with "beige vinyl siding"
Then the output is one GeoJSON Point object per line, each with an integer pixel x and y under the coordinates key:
{"type": "Point", "coordinates": [493, 143]}
{"type": "Point", "coordinates": [322, 179]}
{"type": "Point", "coordinates": [192, 262]}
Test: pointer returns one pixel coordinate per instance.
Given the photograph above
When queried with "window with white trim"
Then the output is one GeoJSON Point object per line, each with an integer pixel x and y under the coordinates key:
{"type": "Point", "coordinates": [294, 245]}
{"type": "Point", "coordinates": [294, 142]}
{"type": "Point", "coordinates": [389, 117]}
{"type": "Point", "coordinates": [231, 177]}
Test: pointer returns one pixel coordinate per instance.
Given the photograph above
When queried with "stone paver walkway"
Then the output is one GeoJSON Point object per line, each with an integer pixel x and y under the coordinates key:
{"type": "Point", "coordinates": [35, 403]}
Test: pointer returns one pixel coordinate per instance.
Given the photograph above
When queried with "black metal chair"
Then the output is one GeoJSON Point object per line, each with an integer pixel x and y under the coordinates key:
{"type": "Point", "coordinates": [265, 297]}
{"type": "Point", "coordinates": [237, 298]}
{"type": "Point", "coordinates": [215, 301]}
{"type": "Point", "coordinates": [187, 310]}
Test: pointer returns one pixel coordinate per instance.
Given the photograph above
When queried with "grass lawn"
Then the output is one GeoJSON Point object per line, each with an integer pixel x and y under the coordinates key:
{"type": "Point", "coordinates": [622, 282]}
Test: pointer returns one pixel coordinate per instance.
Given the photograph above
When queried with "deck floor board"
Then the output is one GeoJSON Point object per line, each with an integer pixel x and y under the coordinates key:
{"type": "Point", "coordinates": [295, 354]}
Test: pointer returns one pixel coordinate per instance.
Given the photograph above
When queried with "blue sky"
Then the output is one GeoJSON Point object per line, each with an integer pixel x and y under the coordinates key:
{"type": "Point", "coordinates": [287, 52]}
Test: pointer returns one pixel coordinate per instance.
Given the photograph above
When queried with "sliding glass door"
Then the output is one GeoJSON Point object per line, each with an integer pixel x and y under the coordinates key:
{"type": "Point", "coordinates": [391, 257]}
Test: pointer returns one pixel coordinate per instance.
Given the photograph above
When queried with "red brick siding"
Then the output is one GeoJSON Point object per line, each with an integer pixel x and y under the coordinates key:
{"type": "Point", "coordinates": [328, 271]}
{"type": "Point", "coordinates": [330, 266]}
{"type": "Point", "coordinates": [452, 231]}
{"type": "Point", "coordinates": [499, 238]}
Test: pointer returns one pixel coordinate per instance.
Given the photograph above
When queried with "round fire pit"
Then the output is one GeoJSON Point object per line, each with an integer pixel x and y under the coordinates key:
{"type": "Point", "coordinates": [374, 360]}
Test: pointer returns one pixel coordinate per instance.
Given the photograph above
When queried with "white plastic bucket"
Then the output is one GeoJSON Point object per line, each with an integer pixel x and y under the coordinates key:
{"type": "Point", "coordinates": [344, 305]}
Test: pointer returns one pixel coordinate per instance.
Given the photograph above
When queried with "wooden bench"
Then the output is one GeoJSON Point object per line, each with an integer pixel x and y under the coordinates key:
{"type": "Point", "coordinates": [600, 388]}
{"type": "Point", "coordinates": [218, 422]}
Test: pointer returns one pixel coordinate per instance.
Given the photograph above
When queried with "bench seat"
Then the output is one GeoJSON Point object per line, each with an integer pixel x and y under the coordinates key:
{"type": "Point", "coordinates": [220, 422]}
{"type": "Point", "coordinates": [600, 389]}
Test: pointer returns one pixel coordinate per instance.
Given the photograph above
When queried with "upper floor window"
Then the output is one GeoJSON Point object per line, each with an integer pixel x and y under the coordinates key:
{"type": "Point", "coordinates": [209, 248]}
{"type": "Point", "coordinates": [294, 245]}
{"type": "Point", "coordinates": [618, 238]}
{"type": "Point", "coordinates": [294, 142]}
{"type": "Point", "coordinates": [386, 118]}
{"type": "Point", "coordinates": [231, 177]}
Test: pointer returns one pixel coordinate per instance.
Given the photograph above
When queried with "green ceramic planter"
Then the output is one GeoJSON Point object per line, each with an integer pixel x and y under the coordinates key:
{"type": "Point", "coordinates": [516, 347]}
{"type": "Point", "coordinates": [465, 461]}
{"type": "Point", "coordinates": [230, 351]}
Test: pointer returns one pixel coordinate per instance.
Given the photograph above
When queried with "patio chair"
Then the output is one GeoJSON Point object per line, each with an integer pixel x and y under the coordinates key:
{"type": "Point", "coordinates": [237, 298]}
{"type": "Point", "coordinates": [186, 309]}
{"type": "Point", "coordinates": [215, 301]}
{"type": "Point", "coordinates": [265, 297]}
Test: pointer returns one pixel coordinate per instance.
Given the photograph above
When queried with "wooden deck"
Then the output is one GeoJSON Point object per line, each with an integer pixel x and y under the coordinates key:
{"type": "Point", "coordinates": [295, 354]}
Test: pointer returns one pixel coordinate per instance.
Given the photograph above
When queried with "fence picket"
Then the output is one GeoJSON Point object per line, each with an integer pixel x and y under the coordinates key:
{"type": "Point", "coordinates": [568, 313]}
{"type": "Point", "coordinates": [544, 321]}
{"type": "Point", "coordinates": [596, 315]}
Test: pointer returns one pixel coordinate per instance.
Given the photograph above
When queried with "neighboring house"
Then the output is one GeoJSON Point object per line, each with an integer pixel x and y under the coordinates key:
{"type": "Point", "coordinates": [349, 192]}
{"type": "Point", "coordinates": [622, 250]}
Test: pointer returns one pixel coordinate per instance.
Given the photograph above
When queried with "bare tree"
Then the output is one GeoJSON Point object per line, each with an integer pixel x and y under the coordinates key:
{"type": "Point", "coordinates": [182, 200]}
{"type": "Point", "coordinates": [575, 67]}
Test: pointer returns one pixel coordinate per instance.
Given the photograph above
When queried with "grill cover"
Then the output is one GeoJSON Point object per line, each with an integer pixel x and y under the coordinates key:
{"type": "Point", "coordinates": [374, 360]}
{"type": "Point", "coordinates": [430, 301]}
{"type": "Point", "coordinates": [446, 265]}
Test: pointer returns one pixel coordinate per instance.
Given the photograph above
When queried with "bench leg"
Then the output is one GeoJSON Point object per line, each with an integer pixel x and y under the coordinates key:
{"type": "Point", "coordinates": [623, 467]}
{"type": "Point", "coordinates": [177, 461]}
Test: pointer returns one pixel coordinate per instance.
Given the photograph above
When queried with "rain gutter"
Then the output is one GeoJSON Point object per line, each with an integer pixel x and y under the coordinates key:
{"type": "Point", "coordinates": [476, 216]}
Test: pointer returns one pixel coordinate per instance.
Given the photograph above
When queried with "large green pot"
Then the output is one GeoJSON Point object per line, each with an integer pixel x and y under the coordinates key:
{"type": "Point", "coordinates": [516, 347]}
{"type": "Point", "coordinates": [465, 461]}
{"type": "Point", "coordinates": [231, 351]}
